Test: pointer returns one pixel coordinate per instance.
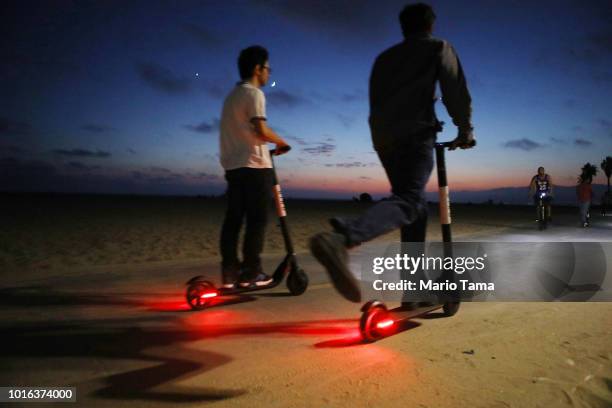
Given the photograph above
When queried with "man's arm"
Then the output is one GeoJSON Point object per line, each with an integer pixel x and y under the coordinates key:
{"type": "Point", "coordinates": [550, 186]}
{"type": "Point", "coordinates": [455, 95]}
{"type": "Point", "coordinates": [263, 131]}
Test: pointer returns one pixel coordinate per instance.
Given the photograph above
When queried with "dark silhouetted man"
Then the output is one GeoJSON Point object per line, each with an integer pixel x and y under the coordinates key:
{"type": "Point", "coordinates": [403, 126]}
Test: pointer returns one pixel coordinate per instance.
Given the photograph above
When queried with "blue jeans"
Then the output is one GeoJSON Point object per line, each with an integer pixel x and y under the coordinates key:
{"type": "Point", "coordinates": [408, 163]}
{"type": "Point", "coordinates": [584, 210]}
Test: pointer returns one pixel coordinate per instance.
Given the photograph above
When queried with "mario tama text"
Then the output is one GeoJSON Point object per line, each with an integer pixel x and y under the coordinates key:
{"type": "Point", "coordinates": [434, 286]}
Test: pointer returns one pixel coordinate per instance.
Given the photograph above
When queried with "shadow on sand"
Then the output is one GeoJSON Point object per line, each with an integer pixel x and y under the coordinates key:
{"type": "Point", "coordinates": [156, 338]}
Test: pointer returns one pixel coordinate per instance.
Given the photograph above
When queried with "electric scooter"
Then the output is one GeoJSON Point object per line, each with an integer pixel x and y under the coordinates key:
{"type": "Point", "coordinates": [201, 292]}
{"type": "Point", "coordinates": [376, 320]}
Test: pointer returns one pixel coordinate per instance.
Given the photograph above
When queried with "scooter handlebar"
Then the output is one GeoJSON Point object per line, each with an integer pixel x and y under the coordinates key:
{"type": "Point", "coordinates": [283, 149]}
{"type": "Point", "coordinates": [446, 145]}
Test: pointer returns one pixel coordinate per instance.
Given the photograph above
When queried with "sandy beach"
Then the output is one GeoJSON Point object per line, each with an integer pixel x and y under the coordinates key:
{"type": "Point", "coordinates": [93, 296]}
{"type": "Point", "coordinates": [61, 233]}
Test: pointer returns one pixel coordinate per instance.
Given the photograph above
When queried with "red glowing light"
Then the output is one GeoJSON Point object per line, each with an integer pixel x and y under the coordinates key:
{"type": "Point", "coordinates": [385, 324]}
{"type": "Point", "coordinates": [209, 295]}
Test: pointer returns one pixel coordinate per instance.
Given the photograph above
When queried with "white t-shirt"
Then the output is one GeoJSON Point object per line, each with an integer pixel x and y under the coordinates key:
{"type": "Point", "coordinates": [240, 146]}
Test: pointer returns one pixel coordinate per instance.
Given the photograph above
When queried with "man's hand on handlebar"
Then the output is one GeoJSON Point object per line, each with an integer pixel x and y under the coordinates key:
{"type": "Point", "coordinates": [281, 148]}
{"type": "Point", "coordinates": [465, 139]}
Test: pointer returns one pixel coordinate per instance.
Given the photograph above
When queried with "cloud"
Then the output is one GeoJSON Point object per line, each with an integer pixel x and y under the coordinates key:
{"type": "Point", "coordinates": [82, 153]}
{"type": "Point", "coordinates": [348, 164]}
{"type": "Point", "coordinates": [162, 79]}
{"type": "Point", "coordinates": [203, 36]}
{"type": "Point", "coordinates": [357, 95]}
{"type": "Point", "coordinates": [80, 166]}
{"type": "Point", "coordinates": [296, 139]}
{"type": "Point", "coordinates": [606, 124]}
{"type": "Point", "coordinates": [10, 127]}
{"type": "Point", "coordinates": [523, 144]}
{"type": "Point", "coordinates": [205, 127]}
{"type": "Point", "coordinates": [284, 99]}
{"type": "Point", "coordinates": [339, 17]}
{"type": "Point", "coordinates": [346, 121]}
{"type": "Point", "coordinates": [320, 148]}
{"type": "Point", "coordinates": [131, 151]}
{"type": "Point", "coordinates": [556, 140]}
{"type": "Point", "coordinates": [40, 176]}
{"type": "Point", "coordinates": [582, 142]}
{"type": "Point", "coordinates": [97, 128]}
{"type": "Point", "coordinates": [206, 176]}
{"type": "Point", "coordinates": [216, 89]}
{"type": "Point", "coordinates": [160, 169]}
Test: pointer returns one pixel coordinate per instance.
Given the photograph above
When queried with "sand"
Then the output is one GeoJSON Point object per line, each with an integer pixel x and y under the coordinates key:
{"type": "Point", "coordinates": [115, 324]}
{"type": "Point", "coordinates": [62, 233]}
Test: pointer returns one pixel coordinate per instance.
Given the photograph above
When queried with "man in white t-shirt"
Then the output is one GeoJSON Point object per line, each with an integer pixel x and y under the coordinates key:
{"type": "Point", "coordinates": [244, 136]}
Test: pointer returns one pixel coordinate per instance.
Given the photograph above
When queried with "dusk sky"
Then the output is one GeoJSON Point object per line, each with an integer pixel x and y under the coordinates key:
{"type": "Point", "coordinates": [125, 96]}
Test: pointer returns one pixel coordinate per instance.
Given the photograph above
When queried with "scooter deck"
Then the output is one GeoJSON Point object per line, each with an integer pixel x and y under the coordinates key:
{"type": "Point", "coordinates": [239, 290]}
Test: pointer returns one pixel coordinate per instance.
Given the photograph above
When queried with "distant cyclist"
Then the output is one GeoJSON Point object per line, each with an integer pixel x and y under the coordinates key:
{"type": "Point", "coordinates": [542, 183]}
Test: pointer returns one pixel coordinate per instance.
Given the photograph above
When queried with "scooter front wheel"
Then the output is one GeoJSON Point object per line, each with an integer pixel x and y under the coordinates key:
{"type": "Point", "coordinates": [199, 294]}
{"type": "Point", "coordinates": [297, 281]}
{"type": "Point", "coordinates": [373, 321]}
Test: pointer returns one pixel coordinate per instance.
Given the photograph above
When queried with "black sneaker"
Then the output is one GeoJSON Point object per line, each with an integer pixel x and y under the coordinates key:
{"type": "Point", "coordinates": [261, 279]}
{"type": "Point", "coordinates": [254, 277]}
{"type": "Point", "coordinates": [329, 248]}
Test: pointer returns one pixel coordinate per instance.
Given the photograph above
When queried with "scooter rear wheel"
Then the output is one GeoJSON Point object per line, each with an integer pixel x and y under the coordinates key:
{"type": "Point", "coordinates": [297, 281]}
{"type": "Point", "coordinates": [194, 294]}
{"type": "Point", "coordinates": [369, 321]}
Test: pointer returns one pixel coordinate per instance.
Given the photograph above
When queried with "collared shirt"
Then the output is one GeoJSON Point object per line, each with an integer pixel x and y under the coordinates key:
{"type": "Point", "coordinates": [239, 144]}
{"type": "Point", "coordinates": [403, 83]}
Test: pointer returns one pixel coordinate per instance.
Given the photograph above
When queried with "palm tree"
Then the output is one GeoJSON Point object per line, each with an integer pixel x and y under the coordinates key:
{"type": "Point", "coordinates": [606, 166]}
{"type": "Point", "coordinates": [588, 172]}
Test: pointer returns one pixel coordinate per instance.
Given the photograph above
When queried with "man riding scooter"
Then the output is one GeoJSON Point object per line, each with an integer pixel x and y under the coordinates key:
{"type": "Point", "coordinates": [541, 187]}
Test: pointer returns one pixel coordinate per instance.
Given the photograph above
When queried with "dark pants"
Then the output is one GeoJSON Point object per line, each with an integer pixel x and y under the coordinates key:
{"type": "Point", "coordinates": [408, 163]}
{"type": "Point", "coordinates": [248, 194]}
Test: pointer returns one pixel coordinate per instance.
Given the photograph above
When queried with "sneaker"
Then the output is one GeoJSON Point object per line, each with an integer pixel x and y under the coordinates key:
{"type": "Point", "coordinates": [261, 279]}
{"type": "Point", "coordinates": [253, 277]}
{"type": "Point", "coordinates": [329, 248]}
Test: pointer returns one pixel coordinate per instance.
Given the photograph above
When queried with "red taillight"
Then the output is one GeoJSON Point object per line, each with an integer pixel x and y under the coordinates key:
{"type": "Point", "coordinates": [208, 295]}
{"type": "Point", "coordinates": [385, 324]}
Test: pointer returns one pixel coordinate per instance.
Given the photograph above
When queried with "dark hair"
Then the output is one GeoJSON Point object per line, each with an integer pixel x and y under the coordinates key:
{"type": "Point", "coordinates": [416, 18]}
{"type": "Point", "coordinates": [540, 168]}
{"type": "Point", "coordinates": [249, 58]}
